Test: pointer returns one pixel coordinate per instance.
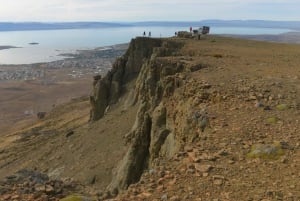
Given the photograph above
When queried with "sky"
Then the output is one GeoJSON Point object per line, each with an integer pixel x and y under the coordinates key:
{"type": "Point", "coordinates": [147, 10]}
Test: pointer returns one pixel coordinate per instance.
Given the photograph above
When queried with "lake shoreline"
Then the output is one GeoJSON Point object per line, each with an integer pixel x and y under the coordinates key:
{"type": "Point", "coordinates": [292, 37]}
{"type": "Point", "coordinates": [55, 42]}
{"type": "Point", "coordinates": [98, 52]}
{"type": "Point", "coordinates": [31, 88]}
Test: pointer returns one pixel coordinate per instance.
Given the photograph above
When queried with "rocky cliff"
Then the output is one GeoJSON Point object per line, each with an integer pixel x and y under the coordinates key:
{"type": "Point", "coordinates": [175, 119]}
{"type": "Point", "coordinates": [108, 89]}
{"type": "Point", "coordinates": [157, 74]}
{"type": "Point", "coordinates": [193, 102]}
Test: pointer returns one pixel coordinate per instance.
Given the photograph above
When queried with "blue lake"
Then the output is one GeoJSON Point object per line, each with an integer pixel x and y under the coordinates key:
{"type": "Point", "coordinates": [54, 42]}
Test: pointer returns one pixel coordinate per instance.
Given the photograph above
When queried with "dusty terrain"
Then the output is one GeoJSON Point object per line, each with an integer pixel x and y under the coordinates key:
{"type": "Point", "coordinates": [28, 89]}
{"type": "Point", "coordinates": [249, 92]}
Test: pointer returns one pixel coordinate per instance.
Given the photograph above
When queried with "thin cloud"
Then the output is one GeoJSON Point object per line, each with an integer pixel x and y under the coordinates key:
{"type": "Point", "coordinates": [133, 10]}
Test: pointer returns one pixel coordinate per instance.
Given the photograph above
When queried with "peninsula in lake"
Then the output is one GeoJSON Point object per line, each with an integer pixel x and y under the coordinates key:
{"type": "Point", "coordinates": [3, 47]}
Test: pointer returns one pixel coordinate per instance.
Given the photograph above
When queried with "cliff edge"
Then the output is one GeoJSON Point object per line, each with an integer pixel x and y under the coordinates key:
{"type": "Point", "coordinates": [195, 100]}
{"type": "Point", "coordinates": [175, 119]}
{"type": "Point", "coordinates": [155, 76]}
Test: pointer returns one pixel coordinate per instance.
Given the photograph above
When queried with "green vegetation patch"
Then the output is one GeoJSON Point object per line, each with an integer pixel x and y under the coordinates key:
{"type": "Point", "coordinates": [266, 151]}
{"type": "Point", "coordinates": [282, 107]}
{"type": "Point", "coordinates": [75, 198]}
{"type": "Point", "coordinates": [272, 120]}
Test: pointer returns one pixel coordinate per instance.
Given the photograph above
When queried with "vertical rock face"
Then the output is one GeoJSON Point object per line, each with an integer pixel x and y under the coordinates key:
{"type": "Point", "coordinates": [100, 98]}
{"type": "Point", "coordinates": [108, 89]}
{"type": "Point", "coordinates": [131, 167]}
{"type": "Point", "coordinates": [160, 132]}
{"type": "Point", "coordinates": [147, 62]}
{"type": "Point", "coordinates": [155, 81]}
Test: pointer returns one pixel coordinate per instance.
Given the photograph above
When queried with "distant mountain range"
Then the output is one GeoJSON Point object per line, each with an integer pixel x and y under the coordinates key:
{"type": "Point", "coordinates": [23, 26]}
{"type": "Point", "coordinates": [18, 26]}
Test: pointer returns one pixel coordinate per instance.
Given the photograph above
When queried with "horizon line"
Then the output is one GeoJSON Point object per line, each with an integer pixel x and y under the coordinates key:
{"type": "Point", "coordinates": [157, 21]}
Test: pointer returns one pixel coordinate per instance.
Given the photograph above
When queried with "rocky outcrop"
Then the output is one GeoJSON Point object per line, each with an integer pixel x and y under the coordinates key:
{"type": "Point", "coordinates": [108, 89]}
{"type": "Point", "coordinates": [148, 75]}
{"type": "Point", "coordinates": [131, 167]}
{"type": "Point", "coordinates": [156, 78]}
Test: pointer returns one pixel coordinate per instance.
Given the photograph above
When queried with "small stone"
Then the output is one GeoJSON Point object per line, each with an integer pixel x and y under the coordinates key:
{"type": "Point", "coordinates": [160, 188]}
{"type": "Point", "coordinates": [292, 186]}
{"type": "Point", "coordinates": [212, 158]}
{"type": "Point", "coordinates": [258, 104]}
{"type": "Point", "coordinates": [284, 160]}
{"type": "Point", "coordinates": [203, 168]}
{"type": "Point", "coordinates": [160, 180]}
{"type": "Point", "coordinates": [193, 158]}
{"type": "Point", "coordinates": [145, 194]}
{"type": "Point", "coordinates": [205, 174]}
{"type": "Point", "coordinates": [162, 173]}
{"type": "Point", "coordinates": [222, 153]}
{"type": "Point", "coordinates": [218, 182]}
{"type": "Point", "coordinates": [190, 171]}
{"type": "Point", "coordinates": [218, 177]}
{"type": "Point", "coordinates": [152, 171]}
{"type": "Point", "coordinates": [15, 197]}
{"type": "Point", "coordinates": [190, 188]}
{"type": "Point", "coordinates": [280, 96]}
{"type": "Point", "coordinates": [164, 197]}
{"type": "Point", "coordinates": [40, 188]}
{"type": "Point", "coordinates": [172, 182]}
{"type": "Point", "coordinates": [188, 148]}
{"type": "Point", "coordinates": [191, 166]}
{"type": "Point", "coordinates": [153, 186]}
{"type": "Point", "coordinates": [175, 198]}
{"type": "Point", "coordinates": [267, 107]}
{"type": "Point", "coordinates": [49, 189]}
{"type": "Point", "coordinates": [6, 197]}
{"type": "Point", "coordinates": [231, 162]}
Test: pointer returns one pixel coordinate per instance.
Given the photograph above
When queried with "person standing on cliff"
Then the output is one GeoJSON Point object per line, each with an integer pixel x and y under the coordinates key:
{"type": "Point", "coordinates": [144, 34]}
{"type": "Point", "coordinates": [149, 33]}
{"type": "Point", "coordinates": [191, 29]}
